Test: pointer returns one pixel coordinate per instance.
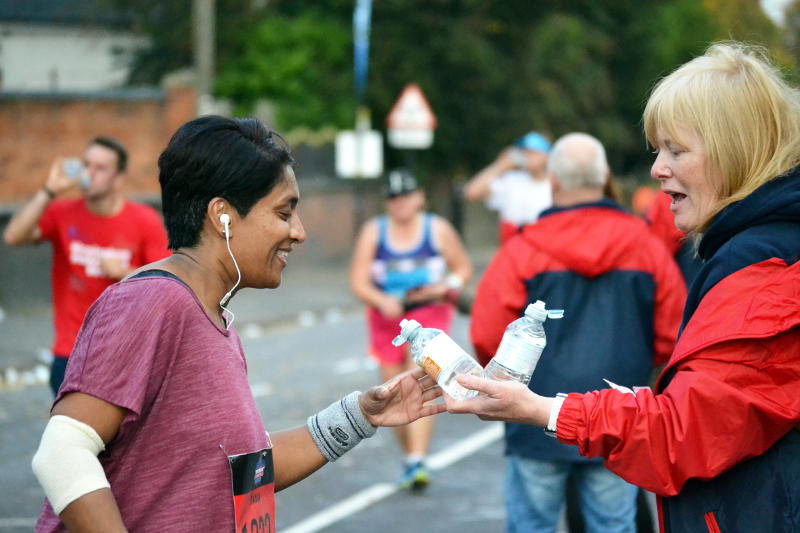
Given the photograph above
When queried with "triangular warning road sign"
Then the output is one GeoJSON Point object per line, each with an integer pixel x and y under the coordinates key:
{"type": "Point", "coordinates": [411, 111]}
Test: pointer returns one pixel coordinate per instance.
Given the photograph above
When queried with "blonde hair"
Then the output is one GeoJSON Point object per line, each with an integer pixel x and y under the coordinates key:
{"type": "Point", "coordinates": [737, 101]}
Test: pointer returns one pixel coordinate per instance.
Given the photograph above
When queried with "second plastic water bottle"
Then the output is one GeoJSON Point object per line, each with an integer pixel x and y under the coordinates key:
{"type": "Point", "coordinates": [440, 356]}
{"type": "Point", "coordinates": [522, 345]}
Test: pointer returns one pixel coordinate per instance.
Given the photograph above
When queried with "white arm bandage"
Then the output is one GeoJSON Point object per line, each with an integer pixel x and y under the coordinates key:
{"type": "Point", "coordinates": [66, 463]}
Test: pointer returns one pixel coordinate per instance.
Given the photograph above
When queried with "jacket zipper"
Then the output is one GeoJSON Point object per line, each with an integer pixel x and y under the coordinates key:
{"type": "Point", "coordinates": [711, 523]}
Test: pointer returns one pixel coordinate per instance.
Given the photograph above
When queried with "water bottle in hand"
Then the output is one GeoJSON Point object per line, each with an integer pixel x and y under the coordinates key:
{"type": "Point", "coordinates": [74, 169]}
{"type": "Point", "coordinates": [440, 356]}
{"type": "Point", "coordinates": [522, 345]}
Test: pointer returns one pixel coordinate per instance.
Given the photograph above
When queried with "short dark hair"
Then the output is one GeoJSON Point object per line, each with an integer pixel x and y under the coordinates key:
{"type": "Point", "coordinates": [238, 159]}
{"type": "Point", "coordinates": [116, 146]}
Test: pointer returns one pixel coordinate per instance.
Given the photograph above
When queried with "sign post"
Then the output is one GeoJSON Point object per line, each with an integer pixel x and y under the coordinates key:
{"type": "Point", "coordinates": [359, 152]}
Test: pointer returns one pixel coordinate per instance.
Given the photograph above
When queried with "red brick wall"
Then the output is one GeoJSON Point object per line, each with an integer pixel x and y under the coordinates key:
{"type": "Point", "coordinates": [35, 130]}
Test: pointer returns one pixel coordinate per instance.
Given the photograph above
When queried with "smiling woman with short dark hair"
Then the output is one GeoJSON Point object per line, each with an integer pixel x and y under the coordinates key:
{"type": "Point", "coordinates": [155, 427]}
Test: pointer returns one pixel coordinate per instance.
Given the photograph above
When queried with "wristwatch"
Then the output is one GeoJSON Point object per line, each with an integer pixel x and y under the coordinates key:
{"type": "Point", "coordinates": [550, 430]}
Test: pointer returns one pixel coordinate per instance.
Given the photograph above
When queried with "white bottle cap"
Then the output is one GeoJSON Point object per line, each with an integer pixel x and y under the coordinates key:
{"type": "Point", "coordinates": [538, 311]}
{"type": "Point", "coordinates": [407, 327]}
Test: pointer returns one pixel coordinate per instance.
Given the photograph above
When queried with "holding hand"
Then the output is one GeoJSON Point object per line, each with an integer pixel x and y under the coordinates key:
{"type": "Point", "coordinates": [509, 401]}
{"type": "Point", "coordinates": [401, 400]}
{"type": "Point", "coordinates": [114, 267]}
{"type": "Point", "coordinates": [390, 307]}
{"type": "Point", "coordinates": [428, 293]}
{"type": "Point", "coordinates": [511, 158]}
{"type": "Point", "coordinates": [57, 180]}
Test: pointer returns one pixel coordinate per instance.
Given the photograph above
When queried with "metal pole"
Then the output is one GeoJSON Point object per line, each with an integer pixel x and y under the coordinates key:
{"type": "Point", "coordinates": [457, 207]}
{"type": "Point", "coordinates": [362, 20]}
{"type": "Point", "coordinates": [203, 24]}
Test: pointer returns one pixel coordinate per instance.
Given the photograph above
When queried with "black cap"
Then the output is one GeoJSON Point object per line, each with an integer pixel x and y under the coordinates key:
{"type": "Point", "coordinates": [400, 181]}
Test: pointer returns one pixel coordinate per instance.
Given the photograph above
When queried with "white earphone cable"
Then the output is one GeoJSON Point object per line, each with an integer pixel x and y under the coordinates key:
{"type": "Point", "coordinates": [239, 279]}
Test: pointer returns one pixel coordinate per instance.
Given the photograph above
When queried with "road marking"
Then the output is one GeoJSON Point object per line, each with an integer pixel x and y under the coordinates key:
{"type": "Point", "coordinates": [344, 508]}
{"type": "Point", "coordinates": [260, 390]}
{"type": "Point", "coordinates": [251, 330]}
{"type": "Point", "coordinates": [17, 522]}
{"type": "Point", "coordinates": [354, 364]}
{"type": "Point", "coordinates": [380, 491]}
{"type": "Point", "coordinates": [306, 319]}
{"type": "Point", "coordinates": [466, 447]}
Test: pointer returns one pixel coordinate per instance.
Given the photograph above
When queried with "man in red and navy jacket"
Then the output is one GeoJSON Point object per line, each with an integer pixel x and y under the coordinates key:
{"type": "Point", "coordinates": [622, 294]}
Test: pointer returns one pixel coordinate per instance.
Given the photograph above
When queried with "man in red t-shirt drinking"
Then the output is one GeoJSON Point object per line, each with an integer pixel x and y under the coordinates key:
{"type": "Point", "coordinates": [97, 238]}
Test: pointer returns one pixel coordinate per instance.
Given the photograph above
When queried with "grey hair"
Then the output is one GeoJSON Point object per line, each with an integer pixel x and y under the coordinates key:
{"type": "Point", "coordinates": [578, 160]}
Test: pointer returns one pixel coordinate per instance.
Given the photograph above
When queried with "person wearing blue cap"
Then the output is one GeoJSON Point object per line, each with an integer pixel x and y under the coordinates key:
{"type": "Point", "coordinates": [514, 184]}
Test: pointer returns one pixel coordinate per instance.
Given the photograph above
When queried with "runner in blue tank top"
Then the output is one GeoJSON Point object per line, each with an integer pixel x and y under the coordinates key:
{"type": "Point", "coordinates": [400, 272]}
{"type": "Point", "coordinates": [407, 264]}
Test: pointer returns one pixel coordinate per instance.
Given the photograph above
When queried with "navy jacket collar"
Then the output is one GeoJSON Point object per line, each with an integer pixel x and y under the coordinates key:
{"type": "Point", "coordinates": [778, 200]}
{"type": "Point", "coordinates": [772, 213]}
{"type": "Point", "coordinates": [605, 202]}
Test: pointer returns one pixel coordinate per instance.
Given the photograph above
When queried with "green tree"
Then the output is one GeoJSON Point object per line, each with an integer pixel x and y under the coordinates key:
{"type": "Point", "coordinates": [168, 27]}
{"type": "Point", "coordinates": [567, 84]}
{"type": "Point", "coordinates": [301, 64]}
{"type": "Point", "coordinates": [491, 69]}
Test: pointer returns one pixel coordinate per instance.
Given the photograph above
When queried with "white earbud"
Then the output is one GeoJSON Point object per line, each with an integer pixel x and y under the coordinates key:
{"type": "Point", "coordinates": [225, 218]}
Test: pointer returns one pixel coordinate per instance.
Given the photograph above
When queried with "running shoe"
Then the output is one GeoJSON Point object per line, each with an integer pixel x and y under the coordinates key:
{"type": "Point", "coordinates": [415, 476]}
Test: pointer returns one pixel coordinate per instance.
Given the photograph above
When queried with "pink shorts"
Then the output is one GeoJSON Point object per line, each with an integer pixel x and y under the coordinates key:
{"type": "Point", "coordinates": [382, 330]}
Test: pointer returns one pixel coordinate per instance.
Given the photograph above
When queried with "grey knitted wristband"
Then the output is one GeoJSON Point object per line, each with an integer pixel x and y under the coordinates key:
{"type": "Point", "coordinates": [339, 427]}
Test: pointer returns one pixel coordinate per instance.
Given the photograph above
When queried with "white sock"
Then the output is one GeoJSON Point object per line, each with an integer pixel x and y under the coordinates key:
{"type": "Point", "coordinates": [415, 458]}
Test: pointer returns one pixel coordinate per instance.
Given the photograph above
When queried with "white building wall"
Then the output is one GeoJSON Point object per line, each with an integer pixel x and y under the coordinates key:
{"type": "Point", "coordinates": [63, 58]}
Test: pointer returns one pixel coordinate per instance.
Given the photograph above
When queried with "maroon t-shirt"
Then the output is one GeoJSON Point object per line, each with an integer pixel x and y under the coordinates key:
{"type": "Point", "coordinates": [148, 346]}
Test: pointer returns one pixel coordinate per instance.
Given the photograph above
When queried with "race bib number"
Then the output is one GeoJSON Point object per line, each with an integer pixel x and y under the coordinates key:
{"type": "Point", "coordinates": [253, 478]}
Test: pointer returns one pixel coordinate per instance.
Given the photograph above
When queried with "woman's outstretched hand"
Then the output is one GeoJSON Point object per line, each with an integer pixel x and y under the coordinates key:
{"type": "Point", "coordinates": [403, 399]}
{"type": "Point", "coordinates": [427, 293]}
{"type": "Point", "coordinates": [510, 401]}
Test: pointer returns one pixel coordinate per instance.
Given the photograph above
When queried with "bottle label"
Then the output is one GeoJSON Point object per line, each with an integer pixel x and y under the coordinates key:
{"type": "Point", "coordinates": [431, 368]}
{"type": "Point", "coordinates": [441, 352]}
{"type": "Point", "coordinates": [518, 355]}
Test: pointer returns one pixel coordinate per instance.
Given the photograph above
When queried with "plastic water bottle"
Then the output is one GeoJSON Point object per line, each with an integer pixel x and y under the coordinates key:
{"type": "Point", "coordinates": [74, 169]}
{"type": "Point", "coordinates": [522, 345]}
{"type": "Point", "coordinates": [440, 356]}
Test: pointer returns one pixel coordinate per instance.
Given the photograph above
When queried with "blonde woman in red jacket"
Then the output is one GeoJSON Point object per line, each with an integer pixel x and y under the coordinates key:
{"type": "Point", "coordinates": [716, 439]}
